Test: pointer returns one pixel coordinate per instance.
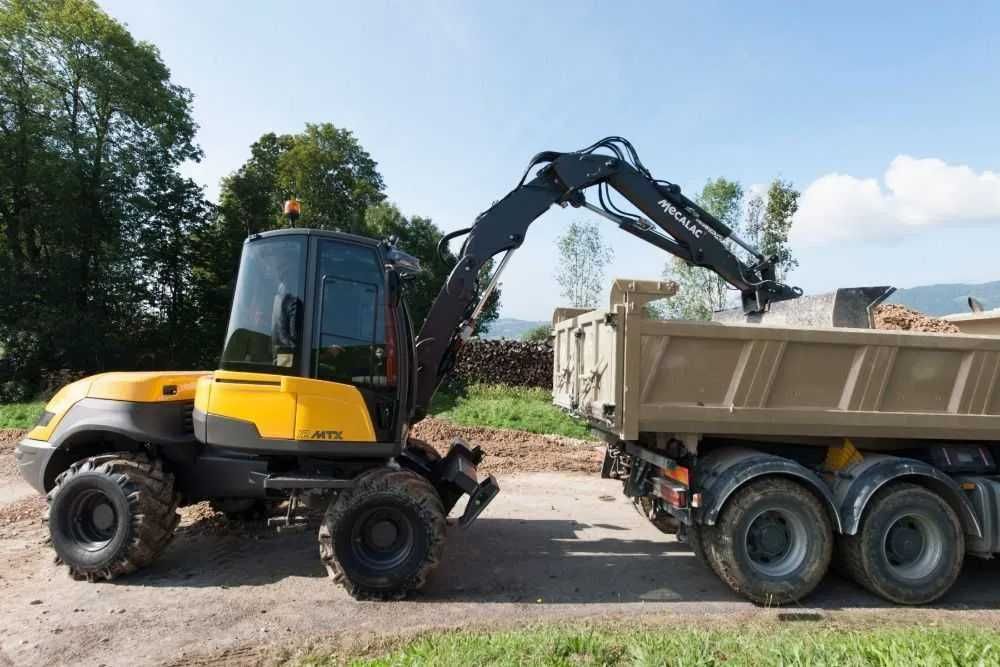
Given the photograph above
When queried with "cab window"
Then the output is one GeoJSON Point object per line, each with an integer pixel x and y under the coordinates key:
{"type": "Point", "coordinates": [265, 326]}
{"type": "Point", "coordinates": [351, 320]}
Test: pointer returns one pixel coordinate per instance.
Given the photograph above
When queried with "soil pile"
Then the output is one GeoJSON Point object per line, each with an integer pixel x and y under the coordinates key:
{"type": "Point", "coordinates": [9, 438]}
{"type": "Point", "coordinates": [31, 508]}
{"type": "Point", "coordinates": [509, 451]}
{"type": "Point", "coordinates": [894, 317]}
{"type": "Point", "coordinates": [8, 465]}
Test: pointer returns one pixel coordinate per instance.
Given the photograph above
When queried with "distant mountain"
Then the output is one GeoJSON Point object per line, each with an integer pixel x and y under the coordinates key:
{"type": "Point", "coordinates": [948, 299]}
{"type": "Point", "coordinates": [510, 328]}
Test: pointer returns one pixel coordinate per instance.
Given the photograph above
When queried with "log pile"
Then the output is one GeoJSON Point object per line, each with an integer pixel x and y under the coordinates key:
{"type": "Point", "coordinates": [509, 362]}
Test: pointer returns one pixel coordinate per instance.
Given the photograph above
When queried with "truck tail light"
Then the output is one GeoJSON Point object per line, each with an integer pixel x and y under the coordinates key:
{"type": "Point", "coordinates": [673, 493]}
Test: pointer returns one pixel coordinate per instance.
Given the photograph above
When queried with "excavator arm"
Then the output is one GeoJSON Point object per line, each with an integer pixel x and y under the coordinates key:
{"type": "Point", "coordinates": [673, 223]}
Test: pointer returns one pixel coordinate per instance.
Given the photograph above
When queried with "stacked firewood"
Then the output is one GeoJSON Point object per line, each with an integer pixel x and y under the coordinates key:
{"type": "Point", "coordinates": [509, 362]}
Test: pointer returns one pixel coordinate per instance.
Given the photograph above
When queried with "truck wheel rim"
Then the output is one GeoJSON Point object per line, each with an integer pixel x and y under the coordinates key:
{"type": "Point", "coordinates": [93, 520]}
{"type": "Point", "coordinates": [776, 541]}
{"type": "Point", "coordinates": [382, 538]}
{"type": "Point", "coordinates": [913, 545]}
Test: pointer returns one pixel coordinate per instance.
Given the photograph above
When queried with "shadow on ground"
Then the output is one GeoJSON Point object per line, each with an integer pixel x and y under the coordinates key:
{"type": "Point", "coordinates": [501, 560]}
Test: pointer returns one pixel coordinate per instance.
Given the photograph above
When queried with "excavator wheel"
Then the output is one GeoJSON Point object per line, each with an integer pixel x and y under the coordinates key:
{"type": "Point", "coordinates": [110, 515]}
{"type": "Point", "coordinates": [381, 538]}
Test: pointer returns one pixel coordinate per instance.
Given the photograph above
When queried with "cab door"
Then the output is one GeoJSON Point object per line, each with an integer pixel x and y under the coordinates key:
{"type": "Point", "coordinates": [350, 339]}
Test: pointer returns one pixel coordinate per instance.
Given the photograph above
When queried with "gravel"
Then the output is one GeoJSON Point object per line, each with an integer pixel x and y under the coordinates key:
{"type": "Point", "coordinates": [9, 438]}
{"type": "Point", "coordinates": [894, 317]}
{"type": "Point", "coordinates": [509, 451]}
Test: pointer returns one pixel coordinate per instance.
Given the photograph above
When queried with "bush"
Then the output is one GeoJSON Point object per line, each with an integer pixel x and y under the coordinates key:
{"type": "Point", "coordinates": [539, 334]}
{"type": "Point", "coordinates": [15, 391]}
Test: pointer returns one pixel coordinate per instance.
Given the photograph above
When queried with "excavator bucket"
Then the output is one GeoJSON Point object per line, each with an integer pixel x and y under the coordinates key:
{"type": "Point", "coordinates": [851, 307]}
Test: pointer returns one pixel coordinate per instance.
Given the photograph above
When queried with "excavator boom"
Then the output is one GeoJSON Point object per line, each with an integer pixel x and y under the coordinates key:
{"type": "Point", "coordinates": [672, 223]}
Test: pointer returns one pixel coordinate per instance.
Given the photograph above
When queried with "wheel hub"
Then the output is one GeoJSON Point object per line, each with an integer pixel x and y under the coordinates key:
{"type": "Point", "coordinates": [769, 538]}
{"type": "Point", "coordinates": [913, 545]}
{"type": "Point", "coordinates": [94, 520]}
{"type": "Point", "coordinates": [382, 538]}
{"type": "Point", "coordinates": [103, 517]}
{"type": "Point", "coordinates": [905, 543]}
{"type": "Point", "coordinates": [776, 542]}
{"type": "Point", "coordinates": [383, 534]}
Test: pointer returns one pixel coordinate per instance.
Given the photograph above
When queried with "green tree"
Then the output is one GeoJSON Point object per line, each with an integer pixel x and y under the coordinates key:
{"type": "Point", "coordinates": [583, 254]}
{"type": "Point", "coordinates": [324, 166]}
{"type": "Point", "coordinates": [420, 237]}
{"type": "Point", "coordinates": [336, 179]}
{"type": "Point", "coordinates": [769, 221]}
{"type": "Point", "coordinates": [539, 334]}
{"type": "Point", "coordinates": [701, 291]}
{"type": "Point", "coordinates": [92, 131]}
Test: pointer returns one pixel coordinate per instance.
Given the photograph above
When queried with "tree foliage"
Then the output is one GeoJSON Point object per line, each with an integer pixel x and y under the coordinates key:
{"type": "Point", "coordinates": [583, 254]}
{"type": "Point", "coordinates": [764, 220]}
{"type": "Point", "coordinates": [769, 221]}
{"type": "Point", "coordinates": [701, 291]}
{"type": "Point", "coordinates": [539, 334]}
{"type": "Point", "coordinates": [93, 273]}
{"type": "Point", "coordinates": [420, 237]}
{"type": "Point", "coordinates": [341, 189]}
{"type": "Point", "coordinates": [109, 257]}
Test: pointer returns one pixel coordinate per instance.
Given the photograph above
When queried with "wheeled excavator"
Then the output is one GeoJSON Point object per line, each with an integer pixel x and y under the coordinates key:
{"type": "Point", "coordinates": [321, 377]}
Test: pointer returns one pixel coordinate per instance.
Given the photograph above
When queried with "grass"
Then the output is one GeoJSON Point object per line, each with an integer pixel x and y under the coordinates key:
{"type": "Point", "coordinates": [20, 415]}
{"type": "Point", "coordinates": [747, 647]}
{"type": "Point", "coordinates": [521, 408]}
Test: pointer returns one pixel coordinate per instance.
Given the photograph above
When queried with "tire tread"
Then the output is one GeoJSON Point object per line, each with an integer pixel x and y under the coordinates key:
{"type": "Point", "coordinates": [149, 490]}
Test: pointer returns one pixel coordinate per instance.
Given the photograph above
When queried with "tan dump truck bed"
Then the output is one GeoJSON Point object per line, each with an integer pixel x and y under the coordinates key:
{"type": "Point", "coordinates": [628, 374]}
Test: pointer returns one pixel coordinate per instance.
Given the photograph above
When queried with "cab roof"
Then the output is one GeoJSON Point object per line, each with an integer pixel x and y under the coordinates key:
{"type": "Point", "coordinates": [306, 231]}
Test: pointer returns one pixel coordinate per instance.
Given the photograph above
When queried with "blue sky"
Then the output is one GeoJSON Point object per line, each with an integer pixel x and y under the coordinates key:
{"type": "Point", "coordinates": [885, 115]}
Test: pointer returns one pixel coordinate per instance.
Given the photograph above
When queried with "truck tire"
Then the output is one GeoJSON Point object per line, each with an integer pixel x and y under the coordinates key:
{"type": "Point", "coordinates": [772, 542]}
{"type": "Point", "coordinates": [909, 548]}
{"type": "Point", "coordinates": [695, 541]}
{"type": "Point", "coordinates": [381, 538]}
{"type": "Point", "coordinates": [110, 515]}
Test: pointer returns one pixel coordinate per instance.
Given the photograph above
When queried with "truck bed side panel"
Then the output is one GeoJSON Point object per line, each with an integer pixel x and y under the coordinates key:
{"type": "Point", "coordinates": [748, 380]}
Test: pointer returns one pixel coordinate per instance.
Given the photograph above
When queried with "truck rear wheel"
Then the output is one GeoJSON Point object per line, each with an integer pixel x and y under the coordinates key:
{"type": "Point", "coordinates": [909, 547]}
{"type": "Point", "coordinates": [111, 515]}
{"type": "Point", "coordinates": [772, 542]}
{"type": "Point", "coordinates": [381, 538]}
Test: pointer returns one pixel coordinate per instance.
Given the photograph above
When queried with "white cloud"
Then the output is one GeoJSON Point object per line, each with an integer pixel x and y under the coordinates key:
{"type": "Point", "coordinates": [916, 192]}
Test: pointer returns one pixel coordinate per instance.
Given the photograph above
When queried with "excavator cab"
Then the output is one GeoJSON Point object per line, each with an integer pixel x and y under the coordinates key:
{"type": "Point", "coordinates": [318, 337]}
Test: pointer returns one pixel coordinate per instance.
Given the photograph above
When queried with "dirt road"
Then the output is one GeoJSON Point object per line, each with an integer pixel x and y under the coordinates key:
{"type": "Point", "coordinates": [552, 546]}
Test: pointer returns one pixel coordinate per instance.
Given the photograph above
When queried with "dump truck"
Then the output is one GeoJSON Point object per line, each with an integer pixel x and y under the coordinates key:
{"type": "Point", "coordinates": [776, 450]}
